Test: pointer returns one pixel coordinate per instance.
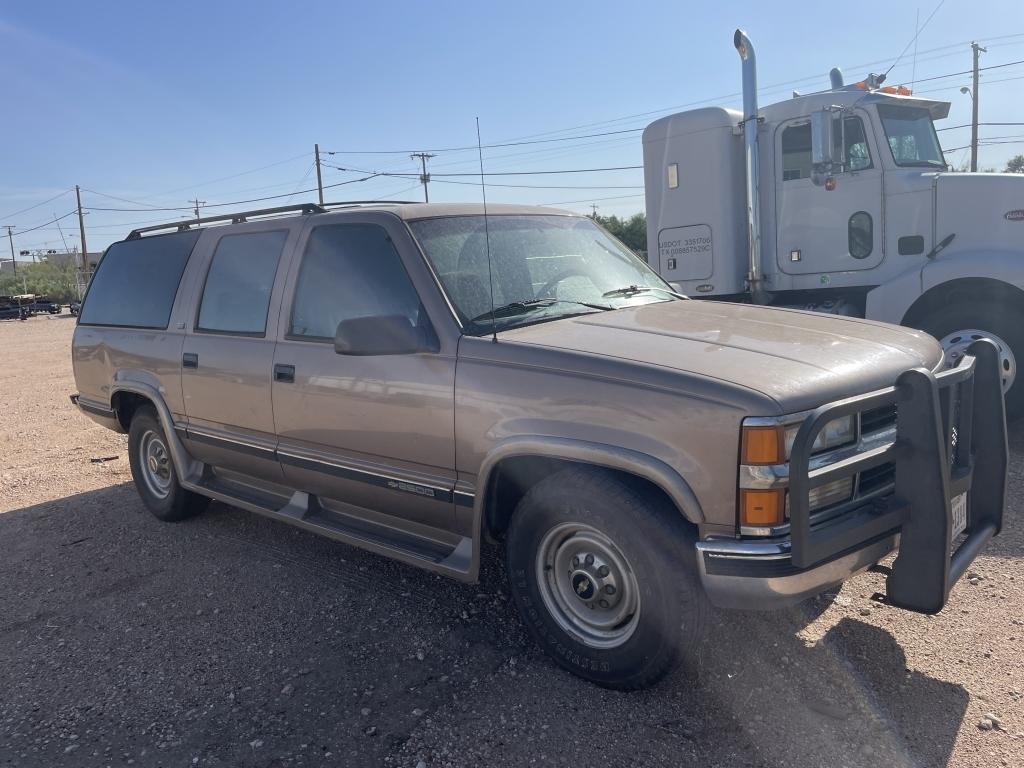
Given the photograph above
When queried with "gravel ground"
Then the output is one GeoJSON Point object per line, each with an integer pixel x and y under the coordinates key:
{"type": "Point", "coordinates": [234, 640]}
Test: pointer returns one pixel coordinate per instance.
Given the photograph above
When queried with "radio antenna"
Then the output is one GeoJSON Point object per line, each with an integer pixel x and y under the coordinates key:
{"type": "Point", "coordinates": [487, 231]}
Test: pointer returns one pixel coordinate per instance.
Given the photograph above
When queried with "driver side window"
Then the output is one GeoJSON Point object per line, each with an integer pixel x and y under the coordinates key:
{"type": "Point", "coordinates": [796, 148]}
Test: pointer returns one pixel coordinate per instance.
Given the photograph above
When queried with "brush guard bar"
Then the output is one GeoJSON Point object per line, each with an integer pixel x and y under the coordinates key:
{"type": "Point", "coordinates": [950, 439]}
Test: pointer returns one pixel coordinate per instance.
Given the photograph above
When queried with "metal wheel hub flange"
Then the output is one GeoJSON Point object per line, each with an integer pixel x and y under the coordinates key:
{"type": "Point", "coordinates": [955, 344]}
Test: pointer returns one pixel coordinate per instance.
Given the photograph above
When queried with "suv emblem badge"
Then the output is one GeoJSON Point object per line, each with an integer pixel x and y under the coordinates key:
{"type": "Point", "coordinates": [1017, 215]}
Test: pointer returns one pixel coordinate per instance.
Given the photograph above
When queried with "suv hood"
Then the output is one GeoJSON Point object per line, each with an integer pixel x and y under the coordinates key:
{"type": "Point", "coordinates": [799, 359]}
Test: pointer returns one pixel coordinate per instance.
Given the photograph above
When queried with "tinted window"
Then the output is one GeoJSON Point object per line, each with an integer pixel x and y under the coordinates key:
{"type": "Point", "coordinates": [137, 280]}
{"type": "Point", "coordinates": [861, 235]}
{"type": "Point", "coordinates": [911, 136]}
{"type": "Point", "coordinates": [796, 148]}
{"type": "Point", "coordinates": [237, 291]}
{"type": "Point", "coordinates": [349, 271]}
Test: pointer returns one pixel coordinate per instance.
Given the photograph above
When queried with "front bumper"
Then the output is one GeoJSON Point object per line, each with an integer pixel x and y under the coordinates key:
{"type": "Point", "coordinates": [760, 575]}
{"type": "Point", "coordinates": [950, 442]}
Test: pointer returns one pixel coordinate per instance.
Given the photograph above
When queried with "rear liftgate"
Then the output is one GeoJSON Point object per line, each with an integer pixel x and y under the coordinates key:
{"type": "Point", "coordinates": [950, 459]}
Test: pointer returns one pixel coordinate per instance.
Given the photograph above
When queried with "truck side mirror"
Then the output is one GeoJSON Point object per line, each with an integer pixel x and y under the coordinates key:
{"type": "Point", "coordinates": [822, 144]}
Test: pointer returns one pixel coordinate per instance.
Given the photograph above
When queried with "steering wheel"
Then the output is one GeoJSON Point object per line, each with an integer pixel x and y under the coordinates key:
{"type": "Point", "coordinates": [548, 287]}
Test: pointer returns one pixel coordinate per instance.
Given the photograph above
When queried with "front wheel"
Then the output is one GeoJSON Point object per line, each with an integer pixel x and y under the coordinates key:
{"type": "Point", "coordinates": [604, 578]}
{"type": "Point", "coordinates": [960, 326]}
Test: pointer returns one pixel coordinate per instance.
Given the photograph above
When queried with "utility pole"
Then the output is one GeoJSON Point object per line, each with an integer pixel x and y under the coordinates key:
{"type": "Point", "coordinates": [319, 180]}
{"type": "Point", "coordinates": [195, 204]}
{"type": "Point", "coordinates": [424, 177]}
{"type": "Point", "coordinates": [593, 208]}
{"type": "Point", "coordinates": [81, 231]}
{"type": "Point", "coordinates": [976, 49]}
{"type": "Point", "coordinates": [10, 239]}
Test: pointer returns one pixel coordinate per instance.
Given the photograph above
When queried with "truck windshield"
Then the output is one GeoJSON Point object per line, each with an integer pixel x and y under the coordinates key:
{"type": "Point", "coordinates": [542, 267]}
{"type": "Point", "coordinates": [911, 135]}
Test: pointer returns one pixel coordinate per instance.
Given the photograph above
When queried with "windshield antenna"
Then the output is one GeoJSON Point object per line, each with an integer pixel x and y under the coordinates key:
{"type": "Point", "coordinates": [487, 231]}
{"type": "Point", "coordinates": [913, 40]}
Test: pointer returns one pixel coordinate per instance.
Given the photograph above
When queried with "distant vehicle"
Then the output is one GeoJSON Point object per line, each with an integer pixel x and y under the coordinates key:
{"type": "Point", "coordinates": [839, 201]}
{"type": "Point", "coordinates": [11, 308]}
{"type": "Point", "coordinates": [363, 373]}
{"type": "Point", "coordinates": [42, 304]}
{"type": "Point", "coordinates": [75, 307]}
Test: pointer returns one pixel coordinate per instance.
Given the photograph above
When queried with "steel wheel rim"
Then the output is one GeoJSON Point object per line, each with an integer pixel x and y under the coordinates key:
{"type": "Point", "coordinates": [955, 345]}
{"type": "Point", "coordinates": [155, 464]}
{"type": "Point", "coordinates": [588, 585]}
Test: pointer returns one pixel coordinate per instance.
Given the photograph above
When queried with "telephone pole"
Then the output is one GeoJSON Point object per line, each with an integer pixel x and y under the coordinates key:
{"type": "Point", "coordinates": [10, 239]}
{"type": "Point", "coordinates": [195, 205]}
{"type": "Point", "coordinates": [81, 230]}
{"type": "Point", "coordinates": [424, 177]}
{"type": "Point", "coordinates": [593, 208]}
{"type": "Point", "coordinates": [976, 49]}
{"type": "Point", "coordinates": [319, 180]}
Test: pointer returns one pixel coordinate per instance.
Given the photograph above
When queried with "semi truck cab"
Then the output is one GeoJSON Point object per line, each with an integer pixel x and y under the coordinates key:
{"type": "Point", "coordinates": [839, 201]}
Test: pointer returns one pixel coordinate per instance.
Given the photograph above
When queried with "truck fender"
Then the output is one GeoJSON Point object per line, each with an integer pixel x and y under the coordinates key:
{"type": "Point", "coordinates": [594, 454]}
{"type": "Point", "coordinates": [189, 470]}
{"type": "Point", "coordinates": [890, 301]}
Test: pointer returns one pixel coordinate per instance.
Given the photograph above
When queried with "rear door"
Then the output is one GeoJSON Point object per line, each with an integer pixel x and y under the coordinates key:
{"type": "Point", "coordinates": [228, 354]}
{"type": "Point", "coordinates": [372, 436]}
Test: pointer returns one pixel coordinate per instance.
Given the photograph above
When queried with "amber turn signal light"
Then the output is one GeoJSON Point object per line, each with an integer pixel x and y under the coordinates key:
{"type": "Point", "coordinates": [762, 445]}
{"type": "Point", "coordinates": [762, 507]}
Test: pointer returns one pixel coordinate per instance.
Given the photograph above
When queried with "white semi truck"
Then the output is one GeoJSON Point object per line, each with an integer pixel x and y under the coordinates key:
{"type": "Point", "coordinates": [839, 201]}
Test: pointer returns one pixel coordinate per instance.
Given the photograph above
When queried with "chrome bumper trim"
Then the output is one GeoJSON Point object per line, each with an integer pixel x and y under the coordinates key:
{"type": "Point", "coordinates": [758, 575]}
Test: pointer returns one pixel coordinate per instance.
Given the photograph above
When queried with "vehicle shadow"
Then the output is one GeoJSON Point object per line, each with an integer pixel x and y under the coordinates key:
{"type": "Point", "coordinates": [235, 638]}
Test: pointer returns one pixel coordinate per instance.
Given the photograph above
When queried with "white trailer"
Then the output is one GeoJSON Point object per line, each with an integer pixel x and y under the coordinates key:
{"type": "Point", "coordinates": [839, 201]}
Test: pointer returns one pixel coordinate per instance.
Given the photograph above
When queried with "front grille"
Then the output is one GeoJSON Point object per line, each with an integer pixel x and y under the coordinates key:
{"type": "Point", "coordinates": [875, 478]}
{"type": "Point", "coordinates": [877, 418]}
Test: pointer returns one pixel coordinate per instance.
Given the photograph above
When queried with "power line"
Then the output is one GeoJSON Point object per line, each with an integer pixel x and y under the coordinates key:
{"type": "Point", "coordinates": [37, 205]}
{"type": "Point", "coordinates": [52, 221]}
{"type": "Point", "coordinates": [917, 34]}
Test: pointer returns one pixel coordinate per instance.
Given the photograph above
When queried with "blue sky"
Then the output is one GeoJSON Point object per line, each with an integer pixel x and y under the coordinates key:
{"type": "Point", "coordinates": [157, 103]}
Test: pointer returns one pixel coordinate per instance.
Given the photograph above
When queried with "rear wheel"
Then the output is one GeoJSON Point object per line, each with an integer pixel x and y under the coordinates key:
{"type": "Point", "coordinates": [960, 326]}
{"type": "Point", "coordinates": [604, 578]}
{"type": "Point", "coordinates": [153, 470]}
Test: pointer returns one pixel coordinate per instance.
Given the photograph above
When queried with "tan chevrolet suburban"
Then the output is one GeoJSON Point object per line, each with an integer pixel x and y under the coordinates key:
{"type": "Point", "coordinates": [415, 379]}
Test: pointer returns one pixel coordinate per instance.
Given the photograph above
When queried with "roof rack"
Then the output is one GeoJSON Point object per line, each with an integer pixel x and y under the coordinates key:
{"type": "Point", "coordinates": [237, 218]}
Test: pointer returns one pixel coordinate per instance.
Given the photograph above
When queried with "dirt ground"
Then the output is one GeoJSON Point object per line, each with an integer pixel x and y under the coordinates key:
{"type": "Point", "coordinates": [235, 640]}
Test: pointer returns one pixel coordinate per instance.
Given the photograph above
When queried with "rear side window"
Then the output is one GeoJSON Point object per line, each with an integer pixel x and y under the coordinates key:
{"type": "Point", "coordinates": [136, 281]}
{"type": "Point", "coordinates": [350, 271]}
{"type": "Point", "coordinates": [238, 286]}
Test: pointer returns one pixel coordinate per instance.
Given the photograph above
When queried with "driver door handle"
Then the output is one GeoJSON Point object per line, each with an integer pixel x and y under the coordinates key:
{"type": "Point", "coordinates": [284, 373]}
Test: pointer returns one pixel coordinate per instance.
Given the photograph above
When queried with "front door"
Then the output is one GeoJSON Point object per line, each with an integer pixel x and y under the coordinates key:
{"type": "Point", "coordinates": [822, 230]}
{"type": "Point", "coordinates": [228, 354]}
{"type": "Point", "coordinates": [367, 434]}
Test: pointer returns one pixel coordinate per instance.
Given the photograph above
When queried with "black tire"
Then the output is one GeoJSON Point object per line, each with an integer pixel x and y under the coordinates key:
{"type": "Point", "coordinates": [1005, 321]}
{"type": "Point", "coordinates": [165, 498]}
{"type": "Point", "coordinates": [657, 547]}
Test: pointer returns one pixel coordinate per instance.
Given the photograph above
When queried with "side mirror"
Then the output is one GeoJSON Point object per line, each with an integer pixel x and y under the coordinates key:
{"type": "Point", "coordinates": [828, 144]}
{"type": "Point", "coordinates": [382, 335]}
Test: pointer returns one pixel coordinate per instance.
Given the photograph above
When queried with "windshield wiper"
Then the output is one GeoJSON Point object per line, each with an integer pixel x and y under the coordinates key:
{"type": "Point", "coordinates": [633, 290]}
{"type": "Point", "coordinates": [514, 308]}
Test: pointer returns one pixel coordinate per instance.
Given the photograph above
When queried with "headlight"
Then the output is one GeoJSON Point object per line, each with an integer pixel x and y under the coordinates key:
{"type": "Point", "coordinates": [834, 434]}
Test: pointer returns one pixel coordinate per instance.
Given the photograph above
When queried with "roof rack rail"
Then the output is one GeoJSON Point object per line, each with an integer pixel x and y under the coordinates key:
{"type": "Point", "coordinates": [354, 203]}
{"type": "Point", "coordinates": [234, 218]}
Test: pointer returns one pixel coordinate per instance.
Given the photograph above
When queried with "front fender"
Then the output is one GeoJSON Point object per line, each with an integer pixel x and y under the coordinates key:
{"type": "Point", "coordinates": [593, 454]}
{"type": "Point", "coordinates": [1006, 266]}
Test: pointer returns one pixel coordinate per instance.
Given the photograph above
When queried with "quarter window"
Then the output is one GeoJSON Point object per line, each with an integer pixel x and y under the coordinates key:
{"type": "Point", "coordinates": [136, 281]}
{"type": "Point", "coordinates": [350, 271]}
{"type": "Point", "coordinates": [238, 286]}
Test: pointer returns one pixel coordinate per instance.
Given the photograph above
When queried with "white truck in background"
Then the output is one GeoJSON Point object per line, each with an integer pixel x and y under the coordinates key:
{"type": "Point", "coordinates": [839, 201]}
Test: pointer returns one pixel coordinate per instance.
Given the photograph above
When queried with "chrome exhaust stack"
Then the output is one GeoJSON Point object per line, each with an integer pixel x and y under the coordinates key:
{"type": "Point", "coordinates": [750, 120]}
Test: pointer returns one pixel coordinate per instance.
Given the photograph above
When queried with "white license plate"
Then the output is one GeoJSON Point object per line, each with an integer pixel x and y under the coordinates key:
{"type": "Point", "coordinates": [959, 507]}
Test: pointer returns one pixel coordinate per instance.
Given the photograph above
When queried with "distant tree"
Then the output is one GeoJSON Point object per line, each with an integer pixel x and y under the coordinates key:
{"type": "Point", "coordinates": [1015, 164]}
{"type": "Point", "coordinates": [632, 231]}
{"type": "Point", "coordinates": [56, 281]}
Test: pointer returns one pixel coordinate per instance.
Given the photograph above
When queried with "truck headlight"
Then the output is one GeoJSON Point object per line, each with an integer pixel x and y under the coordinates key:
{"type": "Point", "coordinates": [835, 433]}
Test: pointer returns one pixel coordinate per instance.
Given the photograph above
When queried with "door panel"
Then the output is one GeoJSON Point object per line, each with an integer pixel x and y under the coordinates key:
{"type": "Point", "coordinates": [815, 233]}
{"type": "Point", "coordinates": [228, 355]}
{"type": "Point", "coordinates": [373, 431]}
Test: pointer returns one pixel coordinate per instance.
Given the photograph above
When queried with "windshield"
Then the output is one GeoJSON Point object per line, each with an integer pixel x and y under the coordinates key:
{"type": "Point", "coordinates": [911, 135]}
{"type": "Point", "coordinates": [545, 267]}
